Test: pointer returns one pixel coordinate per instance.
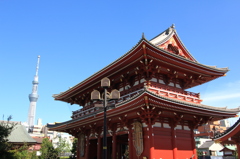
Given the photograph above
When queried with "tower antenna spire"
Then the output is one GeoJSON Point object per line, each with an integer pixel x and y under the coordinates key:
{"type": "Point", "coordinates": [37, 65]}
{"type": "Point", "coordinates": [33, 97]}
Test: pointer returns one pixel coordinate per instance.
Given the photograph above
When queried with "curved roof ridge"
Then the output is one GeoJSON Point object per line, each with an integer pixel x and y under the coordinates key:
{"type": "Point", "coordinates": [143, 39]}
{"type": "Point", "coordinates": [166, 35]}
{"type": "Point", "coordinates": [225, 69]}
{"type": "Point", "coordinates": [163, 36]}
{"type": "Point", "coordinates": [236, 124]}
{"type": "Point", "coordinates": [184, 46]}
{"type": "Point", "coordinates": [109, 65]}
{"type": "Point", "coordinates": [139, 94]}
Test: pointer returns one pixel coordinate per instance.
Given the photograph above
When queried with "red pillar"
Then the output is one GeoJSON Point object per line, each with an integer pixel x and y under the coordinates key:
{"type": "Point", "coordinates": [99, 147]}
{"type": "Point", "coordinates": [174, 145]}
{"type": "Point", "coordinates": [114, 145]}
{"type": "Point", "coordinates": [193, 145]}
{"type": "Point", "coordinates": [150, 136]}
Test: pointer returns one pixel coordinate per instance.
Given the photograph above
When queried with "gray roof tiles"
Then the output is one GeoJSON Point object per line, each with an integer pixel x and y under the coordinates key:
{"type": "Point", "coordinates": [206, 144]}
{"type": "Point", "coordinates": [20, 135]}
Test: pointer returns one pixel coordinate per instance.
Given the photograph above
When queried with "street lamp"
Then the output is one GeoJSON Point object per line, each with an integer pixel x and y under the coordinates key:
{"type": "Point", "coordinates": [114, 95]}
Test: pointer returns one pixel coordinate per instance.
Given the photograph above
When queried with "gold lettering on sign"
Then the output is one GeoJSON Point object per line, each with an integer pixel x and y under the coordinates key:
{"type": "Point", "coordinates": [138, 137]}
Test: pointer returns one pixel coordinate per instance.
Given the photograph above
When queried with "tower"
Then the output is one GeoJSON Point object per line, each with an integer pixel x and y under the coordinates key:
{"type": "Point", "coordinates": [33, 97]}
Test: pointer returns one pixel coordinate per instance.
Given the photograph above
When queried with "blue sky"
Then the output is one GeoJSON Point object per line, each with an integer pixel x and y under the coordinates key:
{"type": "Point", "coordinates": [77, 38]}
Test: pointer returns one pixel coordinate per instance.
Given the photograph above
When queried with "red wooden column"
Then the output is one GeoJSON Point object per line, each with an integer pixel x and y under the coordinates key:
{"type": "Point", "coordinates": [174, 145]}
{"type": "Point", "coordinates": [150, 139]}
{"type": "Point", "coordinates": [130, 140]}
{"type": "Point", "coordinates": [193, 145]}
{"type": "Point", "coordinates": [99, 147]}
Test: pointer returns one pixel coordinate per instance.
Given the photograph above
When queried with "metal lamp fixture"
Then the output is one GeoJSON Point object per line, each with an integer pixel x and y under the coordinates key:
{"type": "Point", "coordinates": [114, 95]}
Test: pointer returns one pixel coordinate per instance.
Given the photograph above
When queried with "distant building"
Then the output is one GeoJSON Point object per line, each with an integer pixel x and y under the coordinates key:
{"type": "Point", "coordinates": [225, 123]}
{"type": "Point", "coordinates": [200, 141]}
{"type": "Point", "coordinates": [211, 128]}
{"type": "Point", "coordinates": [37, 146]}
{"type": "Point", "coordinates": [209, 148]}
{"type": "Point", "coordinates": [19, 137]}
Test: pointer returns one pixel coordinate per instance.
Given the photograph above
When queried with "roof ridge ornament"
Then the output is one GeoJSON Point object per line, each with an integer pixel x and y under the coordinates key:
{"type": "Point", "coordinates": [173, 26]}
{"type": "Point", "coordinates": [143, 36]}
{"type": "Point", "coordinates": [145, 86]}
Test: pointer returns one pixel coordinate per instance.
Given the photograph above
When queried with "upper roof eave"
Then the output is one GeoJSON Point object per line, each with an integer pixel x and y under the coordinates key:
{"type": "Point", "coordinates": [143, 39]}
{"type": "Point", "coordinates": [214, 68]}
{"type": "Point", "coordinates": [58, 96]}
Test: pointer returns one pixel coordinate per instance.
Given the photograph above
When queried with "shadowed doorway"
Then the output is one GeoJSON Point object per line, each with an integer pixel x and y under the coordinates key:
{"type": "Point", "coordinates": [122, 147]}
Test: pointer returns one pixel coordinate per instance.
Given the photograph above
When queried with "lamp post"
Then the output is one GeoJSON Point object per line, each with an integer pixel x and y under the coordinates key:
{"type": "Point", "coordinates": [114, 95]}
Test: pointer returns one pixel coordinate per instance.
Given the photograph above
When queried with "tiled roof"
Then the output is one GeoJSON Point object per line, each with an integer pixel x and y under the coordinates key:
{"type": "Point", "coordinates": [200, 106]}
{"type": "Point", "coordinates": [206, 145]}
{"type": "Point", "coordinates": [20, 135]}
{"type": "Point", "coordinates": [166, 35]}
{"type": "Point", "coordinates": [38, 139]}
{"type": "Point", "coordinates": [171, 31]}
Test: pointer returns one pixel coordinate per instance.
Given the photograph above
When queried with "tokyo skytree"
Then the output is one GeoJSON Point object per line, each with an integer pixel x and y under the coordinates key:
{"type": "Point", "coordinates": [33, 97]}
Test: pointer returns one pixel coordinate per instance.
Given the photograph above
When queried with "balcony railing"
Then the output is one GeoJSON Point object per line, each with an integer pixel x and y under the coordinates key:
{"type": "Point", "coordinates": [176, 93]}
{"type": "Point", "coordinates": [157, 88]}
{"type": "Point", "coordinates": [91, 109]}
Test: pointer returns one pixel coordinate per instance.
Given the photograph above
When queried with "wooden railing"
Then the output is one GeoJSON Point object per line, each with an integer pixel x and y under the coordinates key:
{"type": "Point", "coordinates": [176, 93]}
{"type": "Point", "coordinates": [157, 88]}
{"type": "Point", "coordinates": [91, 109]}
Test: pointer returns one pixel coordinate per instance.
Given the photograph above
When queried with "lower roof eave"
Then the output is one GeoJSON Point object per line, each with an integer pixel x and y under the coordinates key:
{"type": "Point", "coordinates": [136, 102]}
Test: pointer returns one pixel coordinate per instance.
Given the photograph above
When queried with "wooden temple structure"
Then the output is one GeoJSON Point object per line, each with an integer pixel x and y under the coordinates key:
{"type": "Point", "coordinates": [155, 115]}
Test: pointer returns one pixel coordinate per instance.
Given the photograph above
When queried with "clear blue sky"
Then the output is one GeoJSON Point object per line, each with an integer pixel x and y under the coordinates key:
{"type": "Point", "coordinates": [77, 38]}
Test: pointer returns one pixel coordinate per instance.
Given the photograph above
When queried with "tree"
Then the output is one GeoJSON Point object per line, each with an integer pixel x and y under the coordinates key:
{"type": "Point", "coordinates": [62, 145]}
{"type": "Point", "coordinates": [5, 130]}
{"type": "Point", "coordinates": [23, 153]}
{"type": "Point", "coordinates": [47, 150]}
{"type": "Point", "coordinates": [74, 149]}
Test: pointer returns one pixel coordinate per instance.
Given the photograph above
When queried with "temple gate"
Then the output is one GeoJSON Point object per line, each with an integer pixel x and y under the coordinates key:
{"type": "Point", "coordinates": [155, 116]}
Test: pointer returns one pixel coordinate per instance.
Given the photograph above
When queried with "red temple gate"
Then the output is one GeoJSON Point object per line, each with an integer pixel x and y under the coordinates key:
{"type": "Point", "coordinates": [155, 116]}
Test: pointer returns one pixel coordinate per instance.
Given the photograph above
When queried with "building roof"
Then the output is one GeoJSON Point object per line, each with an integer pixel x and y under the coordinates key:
{"type": "Point", "coordinates": [135, 54]}
{"type": "Point", "coordinates": [38, 139]}
{"type": "Point", "coordinates": [167, 103]}
{"type": "Point", "coordinates": [166, 35]}
{"type": "Point", "coordinates": [19, 135]}
{"type": "Point", "coordinates": [206, 145]}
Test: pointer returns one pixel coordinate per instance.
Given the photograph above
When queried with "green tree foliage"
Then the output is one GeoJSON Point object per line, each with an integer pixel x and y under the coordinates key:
{"type": "Point", "coordinates": [62, 145]}
{"type": "Point", "coordinates": [23, 153]}
{"type": "Point", "coordinates": [74, 149]}
{"type": "Point", "coordinates": [5, 130]}
{"type": "Point", "coordinates": [47, 150]}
